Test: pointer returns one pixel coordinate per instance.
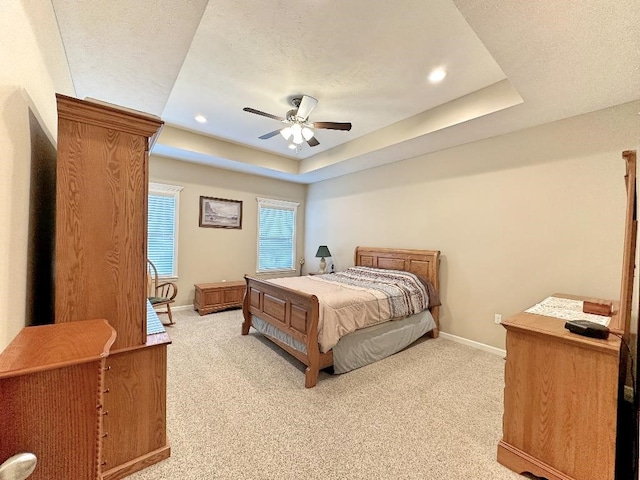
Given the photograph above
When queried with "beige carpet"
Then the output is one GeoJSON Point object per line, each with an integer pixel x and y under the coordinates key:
{"type": "Point", "coordinates": [238, 409]}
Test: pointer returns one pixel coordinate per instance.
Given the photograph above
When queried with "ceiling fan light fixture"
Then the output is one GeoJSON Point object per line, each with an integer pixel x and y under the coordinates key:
{"type": "Point", "coordinates": [286, 132]}
{"type": "Point", "coordinates": [307, 133]}
{"type": "Point", "coordinates": [296, 131]}
{"type": "Point", "coordinates": [297, 126]}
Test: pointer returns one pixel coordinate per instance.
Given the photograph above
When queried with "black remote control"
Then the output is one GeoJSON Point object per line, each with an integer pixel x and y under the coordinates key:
{"type": "Point", "coordinates": [587, 328]}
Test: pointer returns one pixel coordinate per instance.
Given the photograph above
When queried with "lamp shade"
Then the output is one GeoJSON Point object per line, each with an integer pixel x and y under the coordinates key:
{"type": "Point", "coordinates": [307, 133]}
{"type": "Point", "coordinates": [286, 133]}
{"type": "Point", "coordinates": [323, 251]}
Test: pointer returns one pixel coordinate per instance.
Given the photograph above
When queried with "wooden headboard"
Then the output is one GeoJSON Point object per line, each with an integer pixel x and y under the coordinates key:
{"type": "Point", "coordinates": [423, 263]}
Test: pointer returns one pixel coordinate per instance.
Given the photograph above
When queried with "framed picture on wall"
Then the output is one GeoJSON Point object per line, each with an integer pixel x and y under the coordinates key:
{"type": "Point", "coordinates": [220, 213]}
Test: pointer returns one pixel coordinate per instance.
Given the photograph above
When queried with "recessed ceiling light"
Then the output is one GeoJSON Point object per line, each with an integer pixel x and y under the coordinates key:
{"type": "Point", "coordinates": [437, 75]}
{"type": "Point", "coordinates": [200, 119]}
{"type": "Point", "coordinates": [292, 146]}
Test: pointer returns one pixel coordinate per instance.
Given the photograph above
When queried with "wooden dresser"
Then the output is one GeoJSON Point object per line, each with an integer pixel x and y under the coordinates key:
{"type": "Point", "coordinates": [100, 269]}
{"type": "Point", "coordinates": [560, 399]}
{"type": "Point", "coordinates": [213, 297]}
{"type": "Point", "coordinates": [52, 397]}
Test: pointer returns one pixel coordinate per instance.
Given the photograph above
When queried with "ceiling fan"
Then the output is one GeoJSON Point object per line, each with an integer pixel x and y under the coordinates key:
{"type": "Point", "coordinates": [297, 127]}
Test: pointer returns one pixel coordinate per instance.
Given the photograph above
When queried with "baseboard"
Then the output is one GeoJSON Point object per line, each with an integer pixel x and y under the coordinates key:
{"type": "Point", "coordinates": [186, 307]}
{"type": "Point", "coordinates": [144, 461]}
{"type": "Point", "coordinates": [471, 343]}
{"type": "Point", "coordinates": [181, 307]}
{"type": "Point", "coordinates": [448, 336]}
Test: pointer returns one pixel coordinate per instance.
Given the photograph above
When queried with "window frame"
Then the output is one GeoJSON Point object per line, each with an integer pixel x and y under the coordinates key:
{"type": "Point", "coordinates": [278, 205]}
{"type": "Point", "coordinates": [167, 190]}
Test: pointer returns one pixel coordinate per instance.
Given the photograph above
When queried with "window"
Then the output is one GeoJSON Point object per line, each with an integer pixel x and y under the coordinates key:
{"type": "Point", "coordinates": [162, 228]}
{"type": "Point", "coordinates": [276, 235]}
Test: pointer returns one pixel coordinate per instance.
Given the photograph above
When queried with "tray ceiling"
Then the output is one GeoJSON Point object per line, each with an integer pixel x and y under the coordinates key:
{"type": "Point", "coordinates": [509, 66]}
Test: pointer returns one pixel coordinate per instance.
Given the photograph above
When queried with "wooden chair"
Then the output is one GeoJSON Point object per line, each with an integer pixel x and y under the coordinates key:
{"type": "Point", "coordinates": [160, 294]}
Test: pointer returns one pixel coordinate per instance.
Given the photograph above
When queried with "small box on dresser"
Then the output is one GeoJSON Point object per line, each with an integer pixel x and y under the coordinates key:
{"type": "Point", "coordinates": [213, 297]}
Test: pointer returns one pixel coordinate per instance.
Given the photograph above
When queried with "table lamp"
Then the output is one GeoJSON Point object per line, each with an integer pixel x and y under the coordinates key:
{"type": "Point", "coordinates": [322, 252]}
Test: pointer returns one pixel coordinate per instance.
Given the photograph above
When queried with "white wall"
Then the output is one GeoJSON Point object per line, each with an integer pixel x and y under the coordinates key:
{"type": "Point", "coordinates": [33, 69]}
{"type": "Point", "coordinates": [214, 254]}
{"type": "Point", "coordinates": [517, 217]}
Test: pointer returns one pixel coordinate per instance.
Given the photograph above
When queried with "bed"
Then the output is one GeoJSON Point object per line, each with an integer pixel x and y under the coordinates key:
{"type": "Point", "coordinates": [290, 317]}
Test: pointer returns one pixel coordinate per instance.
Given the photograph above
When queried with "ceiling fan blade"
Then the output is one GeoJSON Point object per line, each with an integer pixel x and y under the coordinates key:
{"type": "Point", "coordinates": [313, 142]}
{"type": "Point", "coordinates": [258, 112]}
{"type": "Point", "coordinates": [307, 104]}
{"type": "Point", "coordinates": [333, 125]}
{"type": "Point", "coordinates": [269, 135]}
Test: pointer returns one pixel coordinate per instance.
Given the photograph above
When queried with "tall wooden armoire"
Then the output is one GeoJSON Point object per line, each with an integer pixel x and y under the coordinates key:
{"type": "Point", "coordinates": [100, 269]}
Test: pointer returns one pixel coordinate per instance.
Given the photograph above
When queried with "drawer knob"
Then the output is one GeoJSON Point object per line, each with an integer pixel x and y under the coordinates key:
{"type": "Point", "coordinates": [18, 467]}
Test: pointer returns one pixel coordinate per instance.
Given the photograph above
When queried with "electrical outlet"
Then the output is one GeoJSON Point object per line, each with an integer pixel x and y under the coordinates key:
{"type": "Point", "coordinates": [497, 318]}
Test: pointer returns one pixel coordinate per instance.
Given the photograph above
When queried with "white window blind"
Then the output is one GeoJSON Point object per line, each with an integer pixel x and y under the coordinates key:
{"type": "Point", "coordinates": [162, 228]}
{"type": "Point", "coordinates": [276, 235]}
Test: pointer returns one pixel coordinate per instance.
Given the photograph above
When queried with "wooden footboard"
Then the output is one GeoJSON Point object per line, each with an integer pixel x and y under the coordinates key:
{"type": "Point", "coordinates": [292, 312]}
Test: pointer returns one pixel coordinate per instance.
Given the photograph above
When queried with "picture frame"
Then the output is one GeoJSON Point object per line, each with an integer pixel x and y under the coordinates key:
{"type": "Point", "coordinates": [220, 213]}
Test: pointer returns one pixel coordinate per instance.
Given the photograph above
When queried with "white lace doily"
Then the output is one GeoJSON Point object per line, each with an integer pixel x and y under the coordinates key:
{"type": "Point", "coordinates": [566, 309]}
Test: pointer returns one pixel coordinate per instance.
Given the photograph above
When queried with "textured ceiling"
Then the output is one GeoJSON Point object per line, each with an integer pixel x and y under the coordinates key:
{"type": "Point", "coordinates": [510, 65]}
{"type": "Point", "coordinates": [127, 53]}
{"type": "Point", "coordinates": [366, 62]}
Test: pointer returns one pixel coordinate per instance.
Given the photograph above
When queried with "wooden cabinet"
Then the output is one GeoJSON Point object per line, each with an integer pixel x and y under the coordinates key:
{"type": "Point", "coordinates": [560, 400]}
{"type": "Point", "coordinates": [51, 397]}
{"type": "Point", "coordinates": [101, 216]}
{"type": "Point", "coordinates": [213, 297]}
{"type": "Point", "coordinates": [100, 270]}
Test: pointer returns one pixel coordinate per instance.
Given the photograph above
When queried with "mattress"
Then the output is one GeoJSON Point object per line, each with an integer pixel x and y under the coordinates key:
{"type": "Point", "coordinates": [363, 346]}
